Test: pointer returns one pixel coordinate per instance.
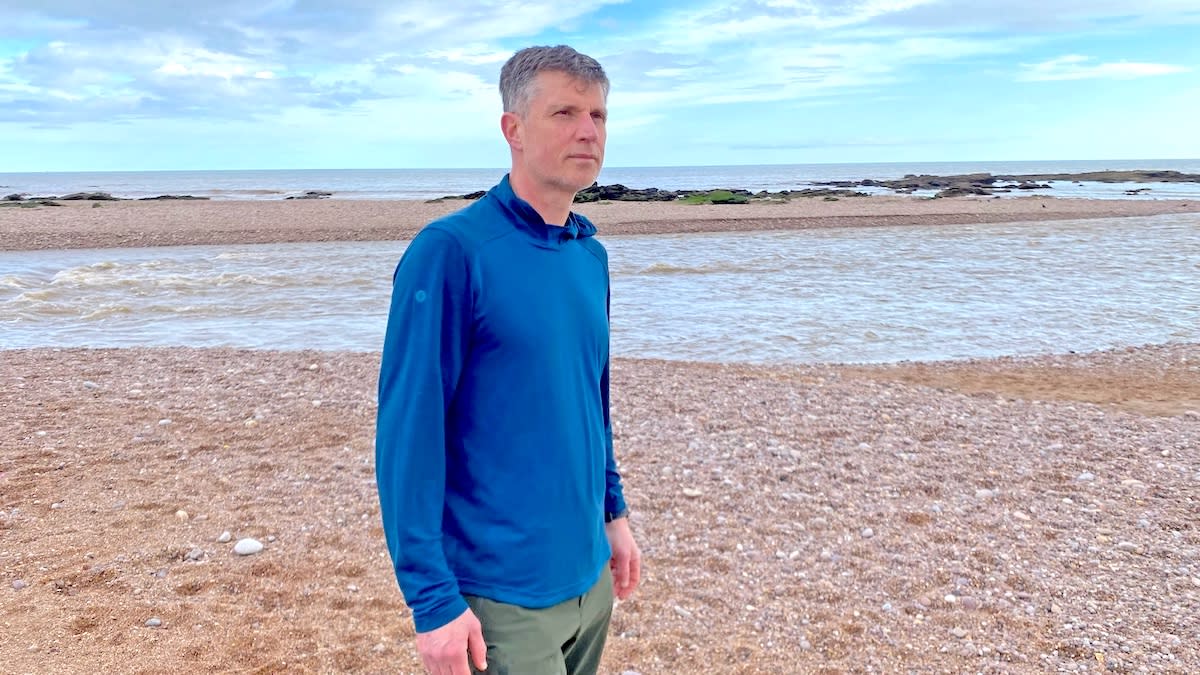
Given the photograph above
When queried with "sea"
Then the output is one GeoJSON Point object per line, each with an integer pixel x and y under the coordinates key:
{"type": "Point", "coordinates": [434, 183]}
{"type": "Point", "coordinates": [836, 295]}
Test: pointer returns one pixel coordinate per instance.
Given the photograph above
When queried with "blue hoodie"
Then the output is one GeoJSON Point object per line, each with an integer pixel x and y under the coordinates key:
{"type": "Point", "coordinates": [494, 454]}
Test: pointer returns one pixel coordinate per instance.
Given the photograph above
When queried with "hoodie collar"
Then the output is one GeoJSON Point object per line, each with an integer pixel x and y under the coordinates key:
{"type": "Point", "coordinates": [529, 221]}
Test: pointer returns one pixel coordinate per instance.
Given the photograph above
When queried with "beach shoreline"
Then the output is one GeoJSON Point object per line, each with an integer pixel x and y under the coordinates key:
{"type": "Point", "coordinates": [176, 223]}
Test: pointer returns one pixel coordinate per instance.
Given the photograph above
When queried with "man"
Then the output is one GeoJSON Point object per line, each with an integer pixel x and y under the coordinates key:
{"type": "Point", "coordinates": [501, 501]}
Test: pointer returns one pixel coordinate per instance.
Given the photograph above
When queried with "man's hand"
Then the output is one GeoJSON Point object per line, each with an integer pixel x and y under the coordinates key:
{"type": "Point", "coordinates": [626, 561]}
{"type": "Point", "coordinates": [444, 650]}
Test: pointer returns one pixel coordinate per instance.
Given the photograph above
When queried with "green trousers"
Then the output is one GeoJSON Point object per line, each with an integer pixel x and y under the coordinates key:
{"type": "Point", "coordinates": [566, 639]}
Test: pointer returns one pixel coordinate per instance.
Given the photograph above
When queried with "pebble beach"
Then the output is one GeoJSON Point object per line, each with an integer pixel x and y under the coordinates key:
{"type": "Point", "coordinates": [215, 509]}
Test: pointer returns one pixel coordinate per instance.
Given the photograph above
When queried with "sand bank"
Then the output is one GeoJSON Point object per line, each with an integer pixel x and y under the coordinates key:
{"type": "Point", "coordinates": [137, 223]}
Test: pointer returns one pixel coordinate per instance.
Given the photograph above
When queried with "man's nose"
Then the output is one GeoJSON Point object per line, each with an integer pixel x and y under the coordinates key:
{"type": "Point", "coordinates": [587, 129]}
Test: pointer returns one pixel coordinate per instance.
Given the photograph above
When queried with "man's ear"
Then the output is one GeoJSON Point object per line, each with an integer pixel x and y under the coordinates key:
{"type": "Point", "coordinates": [510, 125]}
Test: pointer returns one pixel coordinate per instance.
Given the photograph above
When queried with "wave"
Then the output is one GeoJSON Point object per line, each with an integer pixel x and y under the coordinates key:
{"type": "Point", "coordinates": [106, 311]}
{"type": "Point", "coordinates": [667, 269]}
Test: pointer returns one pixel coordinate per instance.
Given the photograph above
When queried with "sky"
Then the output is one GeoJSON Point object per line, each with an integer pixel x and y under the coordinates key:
{"type": "Point", "coordinates": [110, 85]}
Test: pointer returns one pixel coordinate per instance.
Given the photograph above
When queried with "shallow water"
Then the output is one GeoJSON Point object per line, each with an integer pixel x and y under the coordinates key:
{"type": "Point", "coordinates": [843, 294]}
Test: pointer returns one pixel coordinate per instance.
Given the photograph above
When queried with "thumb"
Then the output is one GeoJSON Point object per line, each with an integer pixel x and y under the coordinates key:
{"type": "Point", "coordinates": [477, 648]}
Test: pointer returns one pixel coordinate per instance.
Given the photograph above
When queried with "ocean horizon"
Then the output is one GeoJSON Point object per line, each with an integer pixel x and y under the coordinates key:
{"type": "Point", "coordinates": [251, 184]}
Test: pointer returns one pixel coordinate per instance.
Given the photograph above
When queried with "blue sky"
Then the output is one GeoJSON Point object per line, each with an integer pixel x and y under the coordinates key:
{"type": "Point", "coordinates": [95, 85]}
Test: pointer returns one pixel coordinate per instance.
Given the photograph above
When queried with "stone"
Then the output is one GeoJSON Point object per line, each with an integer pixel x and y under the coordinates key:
{"type": "Point", "coordinates": [225, 537]}
{"type": "Point", "coordinates": [181, 514]}
{"type": "Point", "coordinates": [153, 622]}
{"type": "Point", "coordinates": [195, 554]}
{"type": "Point", "coordinates": [18, 585]}
{"type": "Point", "coordinates": [88, 196]}
{"type": "Point", "coordinates": [247, 546]}
{"type": "Point", "coordinates": [867, 533]}
{"type": "Point", "coordinates": [1086, 476]}
{"type": "Point", "coordinates": [691, 492]}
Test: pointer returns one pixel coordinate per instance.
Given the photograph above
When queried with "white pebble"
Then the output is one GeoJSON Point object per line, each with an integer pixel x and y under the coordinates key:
{"type": "Point", "coordinates": [247, 546]}
{"type": "Point", "coordinates": [181, 514]}
{"type": "Point", "coordinates": [867, 533]}
{"type": "Point", "coordinates": [691, 492]}
{"type": "Point", "coordinates": [1086, 476]}
{"type": "Point", "coordinates": [164, 422]}
{"type": "Point", "coordinates": [153, 622]}
{"type": "Point", "coordinates": [18, 585]}
{"type": "Point", "coordinates": [56, 505]}
{"type": "Point", "coordinates": [225, 537]}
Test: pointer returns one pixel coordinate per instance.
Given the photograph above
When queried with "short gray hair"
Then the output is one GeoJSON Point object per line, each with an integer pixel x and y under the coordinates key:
{"type": "Point", "coordinates": [519, 72]}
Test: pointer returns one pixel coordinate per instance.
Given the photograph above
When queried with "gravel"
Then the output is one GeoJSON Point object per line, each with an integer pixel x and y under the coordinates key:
{"type": "Point", "coordinates": [766, 565]}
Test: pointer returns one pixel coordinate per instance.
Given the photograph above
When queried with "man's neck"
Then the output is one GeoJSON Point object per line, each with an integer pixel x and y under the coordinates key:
{"type": "Point", "coordinates": [553, 207]}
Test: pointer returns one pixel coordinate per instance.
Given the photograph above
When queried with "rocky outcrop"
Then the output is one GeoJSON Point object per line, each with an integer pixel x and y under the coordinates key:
{"type": "Point", "coordinates": [89, 196]}
{"type": "Point", "coordinates": [974, 183]}
{"type": "Point", "coordinates": [171, 197]}
{"type": "Point", "coordinates": [312, 194]}
{"type": "Point", "coordinates": [621, 193]}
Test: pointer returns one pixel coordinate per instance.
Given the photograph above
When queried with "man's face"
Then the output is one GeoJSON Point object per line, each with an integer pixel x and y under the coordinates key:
{"type": "Point", "coordinates": [560, 136]}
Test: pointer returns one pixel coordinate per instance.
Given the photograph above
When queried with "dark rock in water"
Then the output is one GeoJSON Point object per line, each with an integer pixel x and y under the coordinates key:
{"type": "Point", "coordinates": [30, 203]}
{"type": "Point", "coordinates": [815, 192]}
{"type": "Point", "coordinates": [470, 195]}
{"type": "Point", "coordinates": [1030, 185]}
{"type": "Point", "coordinates": [89, 196]}
{"type": "Point", "coordinates": [166, 197]}
{"type": "Point", "coordinates": [618, 192]}
{"type": "Point", "coordinates": [14, 197]}
{"type": "Point", "coordinates": [961, 191]}
{"type": "Point", "coordinates": [312, 194]}
{"type": "Point", "coordinates": [1137, 191]}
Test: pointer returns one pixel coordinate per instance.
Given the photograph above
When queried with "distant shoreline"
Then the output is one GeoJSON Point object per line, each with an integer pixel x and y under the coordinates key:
{"type": "Point", "coordinates": [666, 183]}
{"type": "Point", "coordinates": [84, 224]}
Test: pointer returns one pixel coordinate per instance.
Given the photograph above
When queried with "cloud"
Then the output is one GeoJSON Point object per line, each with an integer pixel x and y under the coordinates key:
{"type": "Point", "coordinates": [123, 60]}
{"type": "Point", "coordinates": [1076, 67]}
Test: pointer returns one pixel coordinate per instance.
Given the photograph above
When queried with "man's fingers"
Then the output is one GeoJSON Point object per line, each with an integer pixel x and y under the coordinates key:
{"type": "Point", "coordinates": [635, 573]}
{"type": "Point", "coordinates": [477, 648]}
{"type": "Point", "coordinates": [620, 574]}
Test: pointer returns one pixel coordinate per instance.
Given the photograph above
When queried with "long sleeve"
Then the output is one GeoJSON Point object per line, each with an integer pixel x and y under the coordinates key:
{"type": "Point", "coordinates": [423, 353]}
{"type": "Point", "coordinates": [614, 496]}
